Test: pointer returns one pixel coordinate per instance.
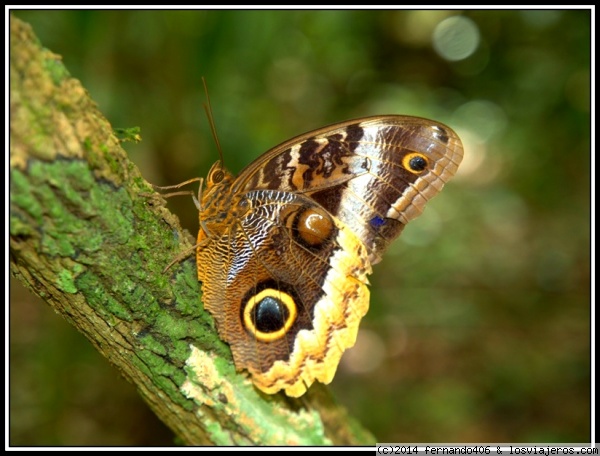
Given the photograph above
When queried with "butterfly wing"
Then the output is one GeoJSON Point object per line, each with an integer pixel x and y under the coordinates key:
{"type": "Point", "coordinates": [286, 247]}
{"type": "Point", "coordinates": [374, 174]}
{"type": "Point", "coordinates": [287, 289]}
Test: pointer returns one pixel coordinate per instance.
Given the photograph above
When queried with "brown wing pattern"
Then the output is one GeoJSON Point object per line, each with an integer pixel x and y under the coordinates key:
{"type": "Point", "coordinates": [285, 248]}
{"type": "Point", "coordinates": [361, 172]}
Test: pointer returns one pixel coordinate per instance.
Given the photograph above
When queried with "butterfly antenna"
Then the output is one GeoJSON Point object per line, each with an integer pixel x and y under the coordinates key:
{"type": "Point", "coordinates": [211, 121]}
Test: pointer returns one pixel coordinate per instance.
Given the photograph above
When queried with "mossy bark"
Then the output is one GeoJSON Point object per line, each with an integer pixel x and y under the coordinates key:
{"type": "Point", "coordinates": [86, 238]}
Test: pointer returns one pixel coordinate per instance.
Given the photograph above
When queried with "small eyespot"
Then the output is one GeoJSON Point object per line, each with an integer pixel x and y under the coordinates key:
{"type": "Point", "coordinates": [415, 162]}
{"type": "Point", "coordinates": [377, 222]}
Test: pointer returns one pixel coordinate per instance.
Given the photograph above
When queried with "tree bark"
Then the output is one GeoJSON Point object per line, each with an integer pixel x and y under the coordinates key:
{"type": "Point", "coordinates": [86, 238]}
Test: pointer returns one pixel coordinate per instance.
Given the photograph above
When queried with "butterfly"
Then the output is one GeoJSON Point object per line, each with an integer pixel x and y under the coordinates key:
{"type": "Point", "coordinates": [285, 248]}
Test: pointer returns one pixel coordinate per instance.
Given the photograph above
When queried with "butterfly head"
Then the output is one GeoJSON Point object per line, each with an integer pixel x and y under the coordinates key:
{"type": "Point", "coordinates": [217, 200]}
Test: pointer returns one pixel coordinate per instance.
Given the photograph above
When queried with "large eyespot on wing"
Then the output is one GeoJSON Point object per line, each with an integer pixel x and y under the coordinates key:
{"type": "Point", "coordinates": [292, 293]}
{"type": "Point", "coordinates": [374, 174]}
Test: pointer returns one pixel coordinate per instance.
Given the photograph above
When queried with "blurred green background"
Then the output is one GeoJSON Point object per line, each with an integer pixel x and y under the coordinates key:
{"type": "Point", "coordinates": [479, 328]}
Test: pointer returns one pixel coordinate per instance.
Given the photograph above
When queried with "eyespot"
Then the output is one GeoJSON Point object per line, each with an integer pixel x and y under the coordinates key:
{"type": "Point", "coordinates": [415, 162]}
{"type": "Point", "coordinates": [313, 227]}
{"type": "Point", "coordinates": [269, 315]}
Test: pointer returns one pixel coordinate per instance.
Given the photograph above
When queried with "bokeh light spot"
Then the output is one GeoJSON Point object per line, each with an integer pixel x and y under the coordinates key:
{"type": "Point", "coordinates": [456, 38]}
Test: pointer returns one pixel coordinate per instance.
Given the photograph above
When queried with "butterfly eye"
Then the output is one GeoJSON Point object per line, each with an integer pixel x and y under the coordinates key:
{"type": "Point", "coordinates": [269, 314]}
{"type": "Point", "coordinates": [415, 163]}
{"type": "Point", "coordinates": [217, 176]}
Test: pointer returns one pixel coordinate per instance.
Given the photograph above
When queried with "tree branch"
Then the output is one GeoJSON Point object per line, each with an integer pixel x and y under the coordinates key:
{"type": "Point", "coordinates": [85, 239]}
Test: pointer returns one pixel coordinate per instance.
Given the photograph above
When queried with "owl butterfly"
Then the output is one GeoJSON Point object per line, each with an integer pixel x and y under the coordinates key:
{"type": "Point", "coordinates": [284, 249]}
